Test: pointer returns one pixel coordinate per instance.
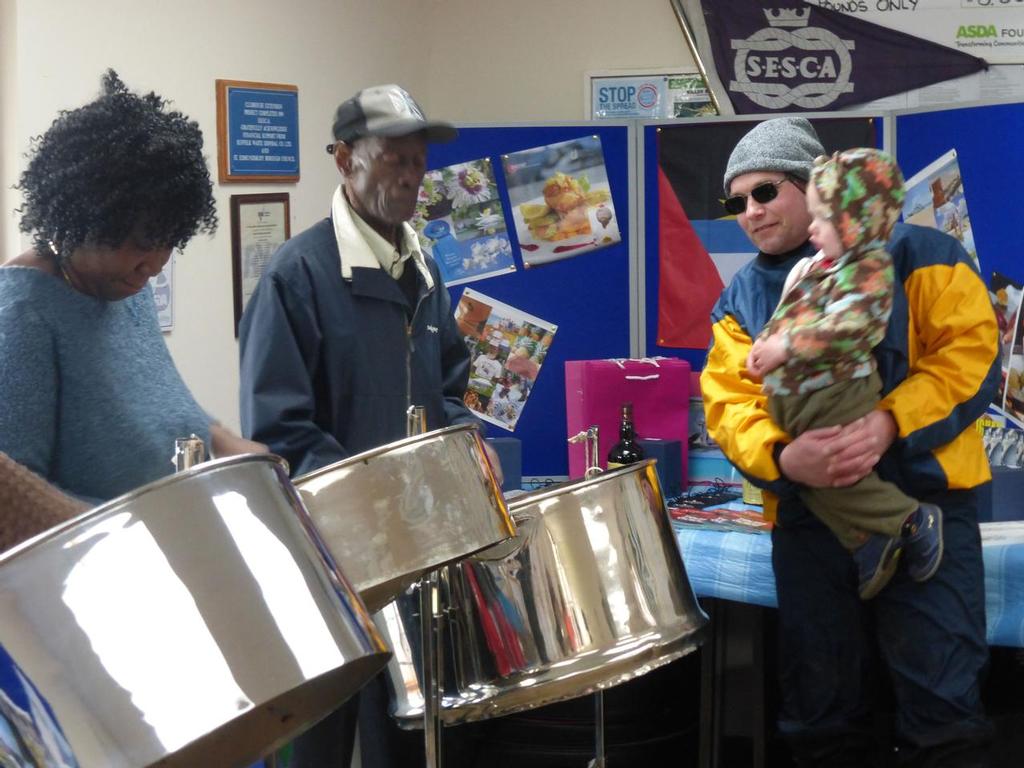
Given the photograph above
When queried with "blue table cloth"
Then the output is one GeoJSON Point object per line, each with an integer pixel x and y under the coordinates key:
{"type": "Point", "coordinates": [738, 566]}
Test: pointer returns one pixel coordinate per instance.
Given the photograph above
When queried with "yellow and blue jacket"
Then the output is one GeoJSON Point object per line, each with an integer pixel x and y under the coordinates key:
{"type": "Point", "coordinates": [939, 362]}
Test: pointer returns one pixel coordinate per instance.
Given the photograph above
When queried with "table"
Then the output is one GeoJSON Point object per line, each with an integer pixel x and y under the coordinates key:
{"type": "Point", "coordinates": [737, 567]}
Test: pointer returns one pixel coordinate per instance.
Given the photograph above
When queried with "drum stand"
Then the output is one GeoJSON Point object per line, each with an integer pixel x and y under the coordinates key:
{"type": "Point", "coordinates": [430, 633]}
{"type": "Point", "coordinates": [430, 637]}
{"type": "Point", "coordinates": [599, 758]}
{"type": "Point", "coordinates": [589, 438]}
{"type": "Point", "coordinates": [592, 462]}
{"type": "Point", "coordinates": [188, 451]}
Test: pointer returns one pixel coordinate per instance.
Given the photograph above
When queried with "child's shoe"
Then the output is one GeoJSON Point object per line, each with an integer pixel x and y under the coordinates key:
{"type": "Point", "coordinates": [922, 538]}
{"type": "Point", "coordinates": [876, 561]}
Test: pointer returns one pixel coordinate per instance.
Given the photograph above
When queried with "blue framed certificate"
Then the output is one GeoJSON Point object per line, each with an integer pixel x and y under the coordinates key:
{"type": "Point", "coordinates": [257, 132]}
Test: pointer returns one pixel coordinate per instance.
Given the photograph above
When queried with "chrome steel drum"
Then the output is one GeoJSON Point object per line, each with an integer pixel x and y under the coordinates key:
{"type": "Point", "coordinates": [193, 622]}
{"type": "Point", "coordinates": [592, 592]}
{"type": "Point", "coordinates": [391, 514]}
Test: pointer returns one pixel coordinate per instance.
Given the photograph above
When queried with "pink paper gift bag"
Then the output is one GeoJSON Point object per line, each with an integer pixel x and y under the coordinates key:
{"type": "Point", "coordinates": [658, 388]}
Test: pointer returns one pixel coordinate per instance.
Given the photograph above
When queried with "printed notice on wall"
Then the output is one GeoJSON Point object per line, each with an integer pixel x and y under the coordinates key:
{"type": "Point", "coordinates": [257, 132]}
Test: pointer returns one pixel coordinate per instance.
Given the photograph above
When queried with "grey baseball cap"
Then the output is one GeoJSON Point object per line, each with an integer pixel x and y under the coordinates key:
{"type": "Point", "coordinates": [786, 144]}
{"type": "Point", "coordinates": [386, 110]}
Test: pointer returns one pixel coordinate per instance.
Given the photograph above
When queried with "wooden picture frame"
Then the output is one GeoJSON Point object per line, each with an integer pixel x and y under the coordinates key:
{"type": "Point", "coordinates": [260, 224]}
{"type": "Point", "coordinates": [257, 132]}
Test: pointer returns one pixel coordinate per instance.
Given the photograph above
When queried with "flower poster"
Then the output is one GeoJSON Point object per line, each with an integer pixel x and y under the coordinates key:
{"type": "Point", "coordinates": [561, 201]}
{"type": "Point", "coordinates": [460, 221]}
{"type": "Point", "coordinates": [507, 349]}
{"type": "Point", "coordinates": [935, 198]}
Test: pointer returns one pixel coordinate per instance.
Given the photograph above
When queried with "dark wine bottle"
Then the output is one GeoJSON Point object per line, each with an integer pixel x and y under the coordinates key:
{"type": "Point", "coordinates": [627, 450]}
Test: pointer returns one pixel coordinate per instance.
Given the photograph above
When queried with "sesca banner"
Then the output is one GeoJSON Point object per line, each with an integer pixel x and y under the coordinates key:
{"type": "Point", "coordinates": [789, 56]}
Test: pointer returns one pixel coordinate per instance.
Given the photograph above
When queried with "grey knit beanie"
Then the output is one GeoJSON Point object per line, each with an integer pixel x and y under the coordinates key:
{"type": "Point", "coordinates": [787, 144]}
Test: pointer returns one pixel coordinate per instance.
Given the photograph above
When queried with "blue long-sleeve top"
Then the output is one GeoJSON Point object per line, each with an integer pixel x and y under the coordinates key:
{"type": "Point", "coordinates": [90, 398]}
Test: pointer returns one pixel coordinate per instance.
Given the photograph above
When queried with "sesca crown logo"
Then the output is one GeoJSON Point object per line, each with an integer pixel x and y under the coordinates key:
{"type": "Point", "coordinates": [808, 66]}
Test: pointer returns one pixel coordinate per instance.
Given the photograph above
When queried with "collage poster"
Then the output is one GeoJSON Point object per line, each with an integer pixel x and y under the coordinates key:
{"type": "Point", "coordinates": [460, 221]}
{"type": "Point", "coordinates": [935, 198]}
{"type": "Point", "coordinates": [507, 350]}
{"type": "Point", "coordinates": [1003, 426]}
{"type": "Point", "coordinates": [561, 200]}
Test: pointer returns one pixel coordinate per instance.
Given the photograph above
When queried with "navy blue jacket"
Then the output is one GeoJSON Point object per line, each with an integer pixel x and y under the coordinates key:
{"type": "Point", "coordinates": [325, 362]}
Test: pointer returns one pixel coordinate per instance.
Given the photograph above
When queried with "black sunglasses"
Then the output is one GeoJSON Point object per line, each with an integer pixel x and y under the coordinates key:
{"type": "Point", "coordinates": [762, 193]}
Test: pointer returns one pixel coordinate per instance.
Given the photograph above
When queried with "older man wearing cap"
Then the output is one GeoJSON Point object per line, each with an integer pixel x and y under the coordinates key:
{"type": "Point", "coordinates": [939, 363]}
{"type": "Point", "coordinates": [349, 326]}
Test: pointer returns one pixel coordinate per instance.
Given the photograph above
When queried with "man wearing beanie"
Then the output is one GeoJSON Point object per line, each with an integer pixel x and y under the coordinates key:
{"type": "Point", "coordinates": [348, 327]}
{"type": "Point", "coordinates": [939, 365]}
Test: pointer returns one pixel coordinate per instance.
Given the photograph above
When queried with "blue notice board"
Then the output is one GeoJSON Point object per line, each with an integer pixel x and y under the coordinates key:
{"type": "Point", "coordinates": [257, 131]}
{"type": "Point", "coordinates": [987, 143]}
{"type": "Point", "coordinates": [586, 296]}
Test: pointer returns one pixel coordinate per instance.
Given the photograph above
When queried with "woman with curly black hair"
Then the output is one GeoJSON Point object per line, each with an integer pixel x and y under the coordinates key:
{"type": "Point", "coordinates": [89, 397]}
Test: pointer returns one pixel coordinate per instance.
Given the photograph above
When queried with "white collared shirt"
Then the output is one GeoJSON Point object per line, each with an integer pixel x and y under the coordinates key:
{"type": "Point", "coordinates": [362, 246]}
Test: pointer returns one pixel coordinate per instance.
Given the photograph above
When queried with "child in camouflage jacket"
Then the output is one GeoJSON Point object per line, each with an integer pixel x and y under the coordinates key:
{"type": "Point", "coordinates": [815, 358]}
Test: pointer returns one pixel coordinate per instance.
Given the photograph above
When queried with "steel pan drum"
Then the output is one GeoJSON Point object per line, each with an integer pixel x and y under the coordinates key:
{"type": "Point", "coordinates": [592, 592]}
{"type": "Point", "coordinates": [391, 514]}
{"type": "Point", "coordinates": [193, 622]}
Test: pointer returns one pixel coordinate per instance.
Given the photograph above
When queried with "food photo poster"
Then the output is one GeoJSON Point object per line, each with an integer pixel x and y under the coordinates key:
{"type": "Point", "coordinates": [561, 201]}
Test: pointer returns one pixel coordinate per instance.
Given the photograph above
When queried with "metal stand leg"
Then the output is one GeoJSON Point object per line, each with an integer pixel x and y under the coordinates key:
{"type": "Point", "coordinates": [759, 689]}
{"type": "Point", "coordinates": [599, 759]}
{"type": "Point", "coordinates": [430, 634]}
{"type": "Point", "coordinates": [712, 654]}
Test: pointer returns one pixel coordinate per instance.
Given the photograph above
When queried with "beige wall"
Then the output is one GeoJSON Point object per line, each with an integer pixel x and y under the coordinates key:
{"type": "Point", "coordinates": [481, 62]}
{"type": "Point", "coordinates": [8, 158]}
{"type": "Point", "coordinates": [524, 61]}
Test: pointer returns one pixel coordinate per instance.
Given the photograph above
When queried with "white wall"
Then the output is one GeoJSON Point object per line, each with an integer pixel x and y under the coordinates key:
{"type": "Point", "coordinates": [8, 159]}
{"type": "Point", "coordinates": [480, 61]}
{"type": "Point", "coordinates": [524, 61]}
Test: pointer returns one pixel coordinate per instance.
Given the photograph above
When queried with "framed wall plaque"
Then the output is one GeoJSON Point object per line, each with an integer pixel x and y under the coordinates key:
{"type": "Point", "coordinates": [257, 132]}
{"type": "Point", "coordinates": [259, 225]}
